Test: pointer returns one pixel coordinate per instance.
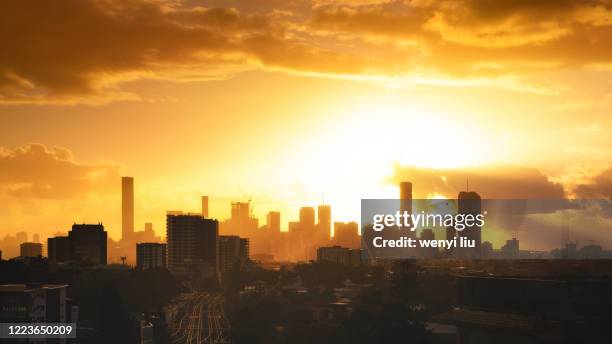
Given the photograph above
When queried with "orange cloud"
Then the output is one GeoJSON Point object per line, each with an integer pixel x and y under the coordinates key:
{"type": "Point", "coordinates": [35, 171]}
{"type": "Point", "coordinates": [72, 51]}
{"type": "Point", "coordinates": [492, 182]}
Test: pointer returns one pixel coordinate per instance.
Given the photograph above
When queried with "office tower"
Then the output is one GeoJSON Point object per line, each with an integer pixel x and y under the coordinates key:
{"type": "Point", "coordinates": [241, 218]}
{"type": "Point", "coordinates": [192, 244]}
{"type": "Point", "coordinates": [406, 204]}
{"type": "Point", "coordinates": [469, 202]}
{"type": "Point", "coordinates": [36, 238]}
{"type": "Point", "coordinates": [127, 208]}
{"type": "Point", "coordinates": [88, 242]}
{"type": "Point", "coordinates": [346, 234]}
{"type": "Point", "coordinates": [245, 249]}
{"type": "Point", "coordinates": [339, 255]}
{"type": "Point", "coordinates": [30, 249]}
{"type": "Point", "coordinates": [307, 217]}
{"type": "Point", "coordinates": [273, 221]}
{"type": "Point", "coordinates": [59, 249]}
{"type": "Point", "coordinates": [511, 248]}
{"type": "Point", "coordinates": [34, 303]}
{"type": "Point", "coordinates": [406, 197]}
{"type": "Point", "coordinates": [324, 220]}
{"type": "Point", "coordinates": [229, 253]}
{"type": "Point", "coordinates": [205, 206]}
{"type": "Point", "coordinates": [150, 255]}
{"type": "Point", "coordinates": [149, 227]}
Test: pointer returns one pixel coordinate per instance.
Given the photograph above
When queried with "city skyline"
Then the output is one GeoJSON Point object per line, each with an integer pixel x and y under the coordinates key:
{"type": "Point", "coordinates": [296, 103]}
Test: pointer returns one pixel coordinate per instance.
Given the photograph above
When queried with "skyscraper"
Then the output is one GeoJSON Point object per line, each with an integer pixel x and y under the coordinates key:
{"type": "Point", "coordinates": [307, 217]}
{"type": "Point", "coordinates": [150, 255]}
{"type": "Point", "coordinates": [324, 220]}
{"type": "Point", "coordinates": [406, 197]}
{"type": "Point", "coordinates": [59, 249]}
{"type": "Point", "coordinates": [30, 249]}
{"type": "Point", "coordinates": [205, 206]}
{"type": "Point", "coordinates": [192, 244]}
{"type": "Point", "coordinates": [88, 243]}
{"type": "Point", "coordinates": [273, 221]}
{"type": "Point", "coordinates": [469, 202]}
{"type": "Point", "coordinates": [127, 207]}
{"type": "Point", "coordinates": [406, 203]}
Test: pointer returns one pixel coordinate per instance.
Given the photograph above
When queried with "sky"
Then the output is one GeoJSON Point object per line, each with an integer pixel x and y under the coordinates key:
{"type": "Point", "coordinates": [294, 102]}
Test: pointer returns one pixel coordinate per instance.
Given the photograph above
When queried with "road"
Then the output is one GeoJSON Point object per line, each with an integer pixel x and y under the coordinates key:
{"type": "Point", "coordinates": [201, 320]}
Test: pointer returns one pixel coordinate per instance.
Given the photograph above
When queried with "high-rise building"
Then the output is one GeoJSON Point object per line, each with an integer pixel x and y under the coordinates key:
{"type": "Point", "coordinates": [339, 255]}
{"type": "Point", "coordinates": [88, 243]}
{"type": "Point", "coordinates": [406, 197]}
{"type": "Point", "coordinates": [150, 255]}
{"type": "Point", "coordinates": [511, 248]}
{"type": "Point", "coordinates": [273, 221]}
{"type": "Point", "coordinates": [229, 253]}
{"type": "Point", "coordinates": [192, 243]}
{"type": "Point", "coordinates": [307, 217]}
{"type": "Point", "coordinates": [324, 220]}
{"type": "Point", "coordinates": [30, 249]}
{"type": "Point", "coordinates": [406, 203]}
{"type": "Point", "coordinates": [245, 249]}
{"type": "Point", "coordinates": [59, 249]}
{"type": "Point", "coordinates": [205, 206]}
{"type": "Point", "coordinates": [127, 208]}
{"type": "Point", "coordinates": [35, 303]}
{"type": "Point", "coordinates": [346, 234]}
{"type": "Point", "coordinates": [469, 203]}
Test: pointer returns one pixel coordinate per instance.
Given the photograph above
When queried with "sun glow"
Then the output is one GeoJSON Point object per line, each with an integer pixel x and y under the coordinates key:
{"type": "Point", "coordinates": [352, 157]}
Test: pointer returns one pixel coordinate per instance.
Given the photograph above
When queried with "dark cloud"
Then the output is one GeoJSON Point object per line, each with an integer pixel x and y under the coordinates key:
{"type": "Point", "coordinates": [599, 187]}
{"type": "Point", "coordinates": [56, 51]}
{"type": "Point", "coordinates": [39, 172]}
{"type": "Point", "coordinates": [491, 182]}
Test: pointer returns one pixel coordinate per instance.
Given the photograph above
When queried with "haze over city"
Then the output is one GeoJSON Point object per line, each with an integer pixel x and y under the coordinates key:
{"type": "Point", "coordinates": [292, 103]}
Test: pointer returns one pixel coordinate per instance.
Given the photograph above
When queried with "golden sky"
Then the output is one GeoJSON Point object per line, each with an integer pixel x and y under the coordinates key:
{"type": "Point", "coordinates": [290, 101]}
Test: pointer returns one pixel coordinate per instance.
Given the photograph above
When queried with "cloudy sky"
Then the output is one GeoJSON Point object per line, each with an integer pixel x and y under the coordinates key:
{"type": "Point", "coordinates": [293, 101]}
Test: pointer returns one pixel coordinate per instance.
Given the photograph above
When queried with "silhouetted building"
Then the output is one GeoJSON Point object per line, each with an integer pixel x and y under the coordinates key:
{"type": "Point", "coordinates": [511, 248]}
{"type": "Point", "coordinates": [245, 249]}
{"type": "Point", "coordinates": [405, 197]}
{"type": "Point", "coordinates": [307, 217]}
{"type": "Point", "coordinates": [59, 249]}
{"type": "Point", "coordinates": [469, 203]}
{"type": "Point", "coordinates": [205, 206]}
{"type": "Point", "coordinates": [127, 207]}
{"type": "Point", "coordinates": [34, 303]}
{"type": "Point", "coordinates": [30, 249]}
{"type": "Point", "coordinates": [531, 310]}
{"type": "Point", "coordinates": [150, 255]}
{"type": "Point", "coordinates": [273, 221]}
{"type": "Point", "coordinates": [324, 220]}
{"type": "Point", "coordinates": [346, 234]}
{"type": "Point", "coordinates": [192, 243]}
{"type": "Point", "coordinates": [88, 243]}
{"type": "Point", "coordinates": [339, 255]}
{"type": "Point", "coordinates": [486, 251]}
{"type": "Point", "coordinates": [406, 203]}
{"type": "Point", "coordinates": [229, 253]}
